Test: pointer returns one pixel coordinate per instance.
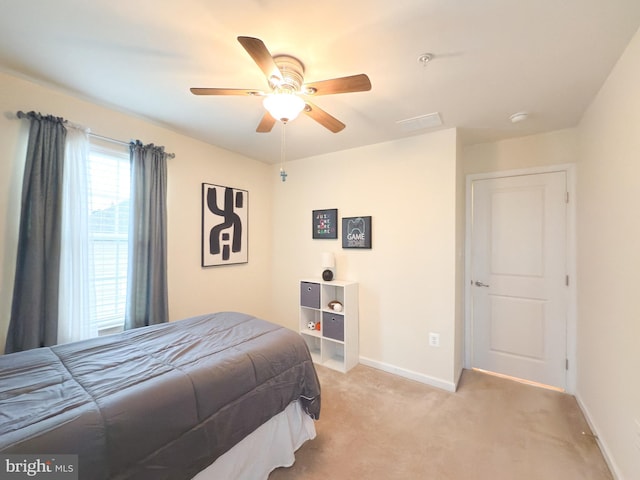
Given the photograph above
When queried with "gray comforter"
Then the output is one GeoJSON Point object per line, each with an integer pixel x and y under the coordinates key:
{"type": "Point", "coordinates": [160, 402]}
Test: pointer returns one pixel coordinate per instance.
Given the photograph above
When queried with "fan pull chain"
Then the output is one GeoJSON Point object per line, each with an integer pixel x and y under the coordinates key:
{"type": "Point", "coordinates": [283, 173]}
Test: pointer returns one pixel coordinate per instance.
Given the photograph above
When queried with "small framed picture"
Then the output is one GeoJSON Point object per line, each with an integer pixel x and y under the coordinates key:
{"type": "Point", "coordinates": [356, 232]}
{"type": "Point", "coordinates": [325, 223]}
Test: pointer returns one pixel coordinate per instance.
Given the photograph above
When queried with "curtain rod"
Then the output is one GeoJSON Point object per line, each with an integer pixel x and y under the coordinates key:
{"type": "Point", "coordinates": [107, 139]}
{"type": "Point", "coordinates": [122, 142]}
{"type": "Point", "coordinates": [21, 114]}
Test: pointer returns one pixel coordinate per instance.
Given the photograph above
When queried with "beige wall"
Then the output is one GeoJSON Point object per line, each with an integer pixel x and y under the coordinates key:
{"type": "Point", "coordinates": [192, 289]}
{"type": "Point", "coordinates": [407, 280]}
{"type": "Point", "coordinates": [554, 148]}
{"type": "Point", "coordinates": [459, 355]}
{"type": "Point", "coordinates": [608, 261]}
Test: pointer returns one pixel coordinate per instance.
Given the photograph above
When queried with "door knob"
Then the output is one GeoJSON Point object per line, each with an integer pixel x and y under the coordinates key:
{"type": "Point", "coordinates": [480, 284]}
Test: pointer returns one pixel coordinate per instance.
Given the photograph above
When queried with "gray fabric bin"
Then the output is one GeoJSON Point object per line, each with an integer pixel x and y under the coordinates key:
{"type": "Point", "coordinates": [333, 326]}
{"type": "Point", "coordinates": [310, 294]}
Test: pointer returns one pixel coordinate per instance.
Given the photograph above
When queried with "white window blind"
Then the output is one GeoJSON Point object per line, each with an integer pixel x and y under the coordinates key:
{"type": "Point", "coordinates": [109, 170]}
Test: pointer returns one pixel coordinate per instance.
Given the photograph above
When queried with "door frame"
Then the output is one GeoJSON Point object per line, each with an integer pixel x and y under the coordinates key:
{"type": "Point", "coordinates": [569, 169]}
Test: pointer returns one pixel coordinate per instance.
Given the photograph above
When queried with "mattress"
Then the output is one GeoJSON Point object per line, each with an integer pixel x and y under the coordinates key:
{"type": "Point", "coordinates": [159, 402]}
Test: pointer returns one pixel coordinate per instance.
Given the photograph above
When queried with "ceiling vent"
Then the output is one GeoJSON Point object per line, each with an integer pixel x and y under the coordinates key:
{"type": "Point", "coordinates": [421, 122]}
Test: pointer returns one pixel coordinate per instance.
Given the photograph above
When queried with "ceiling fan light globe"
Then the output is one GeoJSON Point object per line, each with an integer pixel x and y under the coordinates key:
{"type": "Point", "coordinates": [283, 106]}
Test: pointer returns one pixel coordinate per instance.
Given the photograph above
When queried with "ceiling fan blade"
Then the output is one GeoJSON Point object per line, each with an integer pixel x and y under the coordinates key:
{"type": "Point", "coordinates": [323, 118]}
{"type": "Point", "coordinates": [260, 54]}
{"type": "Point", "coordinates": [353, 83]}
{"type": "Point", "coordinates": [226, 91]}
{"type": "Point", "coordinates": [266, 124]}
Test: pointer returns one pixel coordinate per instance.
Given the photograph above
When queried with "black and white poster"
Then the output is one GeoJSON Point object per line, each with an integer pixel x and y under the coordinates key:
{"type": "Point", "coordinates": [356, 232]}
{"type": "Point", "coordinates": [224, 225]}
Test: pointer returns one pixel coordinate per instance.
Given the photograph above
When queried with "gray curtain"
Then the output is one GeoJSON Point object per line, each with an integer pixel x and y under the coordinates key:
{"type": "Point", "coordinates": [34, 309]}
{"type": "Point", "coordinates": [147, 297]}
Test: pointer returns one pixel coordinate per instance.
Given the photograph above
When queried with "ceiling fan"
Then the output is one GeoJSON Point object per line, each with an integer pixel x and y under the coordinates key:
{"type": "Point", "coordinates": [284, 101]}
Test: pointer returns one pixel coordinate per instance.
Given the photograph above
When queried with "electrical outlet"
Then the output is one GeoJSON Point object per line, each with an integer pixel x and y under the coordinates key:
{"type": "Point", "coordinates": [434, 339]}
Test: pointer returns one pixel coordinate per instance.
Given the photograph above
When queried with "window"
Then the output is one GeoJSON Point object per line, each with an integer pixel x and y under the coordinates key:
{"type": "Point", "coordinates": [109, 170]}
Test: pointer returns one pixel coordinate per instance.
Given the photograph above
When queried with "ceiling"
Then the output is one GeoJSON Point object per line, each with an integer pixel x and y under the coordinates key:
{"type": "Point", "coordinates": [491, 58]}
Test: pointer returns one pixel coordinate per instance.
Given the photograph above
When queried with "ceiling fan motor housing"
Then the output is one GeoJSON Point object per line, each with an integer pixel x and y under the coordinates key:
{"type": "Point", "coordinates": [292, 71]}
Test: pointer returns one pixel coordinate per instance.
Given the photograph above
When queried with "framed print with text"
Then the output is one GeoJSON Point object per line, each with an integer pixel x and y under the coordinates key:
{"type": "Point", "coordinates": [325, 223]}
{"type": "Point", "coordinates": [356, 232]}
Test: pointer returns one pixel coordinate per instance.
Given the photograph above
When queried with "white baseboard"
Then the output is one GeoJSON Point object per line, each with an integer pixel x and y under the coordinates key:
{"type": "Point", "coordinates": [601, 443]}
{"type": "Point", "coordinates": [411, 375]}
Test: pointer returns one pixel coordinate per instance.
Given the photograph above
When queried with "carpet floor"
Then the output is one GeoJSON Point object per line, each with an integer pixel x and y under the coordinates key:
{"type": "Point", "coordinates": [375, 425]}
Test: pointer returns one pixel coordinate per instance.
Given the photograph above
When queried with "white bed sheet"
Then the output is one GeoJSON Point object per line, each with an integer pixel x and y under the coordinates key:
{"type": "Point", "coordinates": [270, 446]}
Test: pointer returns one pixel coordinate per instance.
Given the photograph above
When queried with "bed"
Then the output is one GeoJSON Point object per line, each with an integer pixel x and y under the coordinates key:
{"type": "Point", "coordinates": [172, 401]}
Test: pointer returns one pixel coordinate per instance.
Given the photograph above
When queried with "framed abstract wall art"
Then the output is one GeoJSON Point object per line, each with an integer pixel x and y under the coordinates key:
{"type": "Point", "coordinates": [356, 232]}
{"type": "Point", "coordinates": [224, 225]}
{"type": "Point", "coordinates": [325, 223]}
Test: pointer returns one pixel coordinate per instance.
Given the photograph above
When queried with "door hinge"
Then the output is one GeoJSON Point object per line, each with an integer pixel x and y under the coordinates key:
{"type": "Point", "coordinates": [566, 364]}
{"type": "Point", "coordinates": [567, 197]}
{"type": "Point", "coordinates": [566, 280]}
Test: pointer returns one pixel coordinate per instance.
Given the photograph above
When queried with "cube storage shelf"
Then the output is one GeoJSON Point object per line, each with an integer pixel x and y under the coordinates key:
{"type": "Point", "coordinates": [335, 344]}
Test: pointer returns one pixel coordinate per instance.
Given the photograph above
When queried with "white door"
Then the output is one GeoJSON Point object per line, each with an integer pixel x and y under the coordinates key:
{"type": "Point", "coordinates": [518, 272]}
